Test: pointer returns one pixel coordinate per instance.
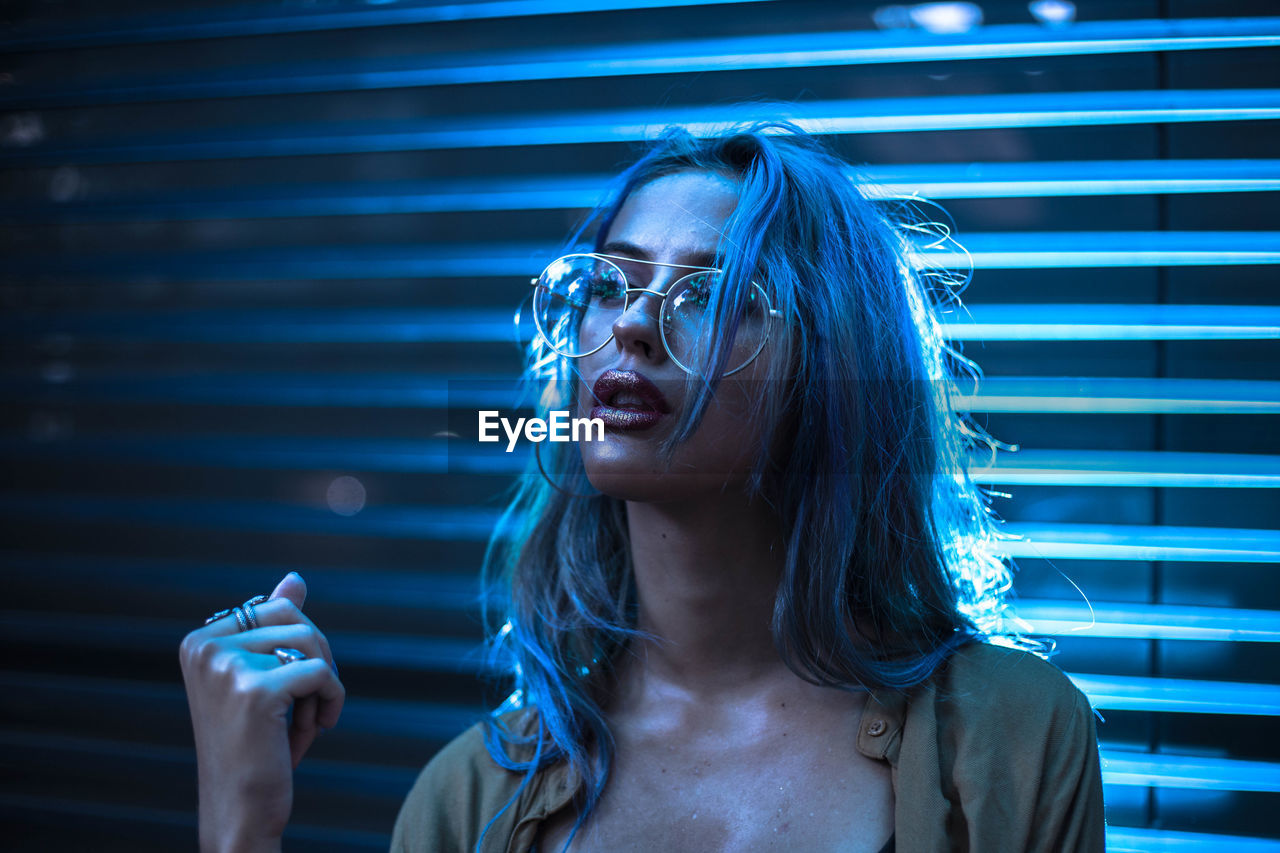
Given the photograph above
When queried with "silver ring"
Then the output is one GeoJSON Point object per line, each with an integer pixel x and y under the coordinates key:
{"type": "Point", "coordinates": [246, 617]}
{"type": "Point", "coordinates": [250, 614]}
{"type": "Point", "coordinates": [221, 614]}
{"type": "Point", "coordinates": [288, 656]}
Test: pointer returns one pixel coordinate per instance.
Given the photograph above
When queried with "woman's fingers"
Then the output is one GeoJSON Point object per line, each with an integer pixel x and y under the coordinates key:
{"type": "Point", "coordinates": [240, 696]}
{"type": "Point", "coordinates": [292, 587]}
{"type": "Point", "coordinates": [318, 699]}
{"type": "Point", "coordinates": [304, 638]}
{"type": "Point", "coordinates": [303, 730]}
{"type": "Point", "coordinates": [278, 611]}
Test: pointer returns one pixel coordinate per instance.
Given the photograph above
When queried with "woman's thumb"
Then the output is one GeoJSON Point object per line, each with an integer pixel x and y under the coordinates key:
{"type": "Point", "coordinates": [293, 587]}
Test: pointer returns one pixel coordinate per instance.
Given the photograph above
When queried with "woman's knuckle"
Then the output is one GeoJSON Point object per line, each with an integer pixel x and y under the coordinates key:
{"type": "Point", "coordinates": [225, 665]}
{"type": "Point", "coordinates": [195, 650]}
{"type": "Point", "coordinates": [244, 685]}
{"type": "Point", "coordinates": [187, 648]}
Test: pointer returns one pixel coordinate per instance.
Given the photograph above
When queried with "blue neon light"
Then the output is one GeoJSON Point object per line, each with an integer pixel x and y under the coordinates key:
{"type": "Point", "coordinates": [1013, 250]}
{"type": "Point", "coordinates": [1000, 394]}
{"type": "Point", "coordinates": [1132, 840]}
{"type": "Point", "coordinates": [1056, 249]}
{"type": "Point", "coordinates": [882, 115]}
{"type": "Point", "coordinates": [792, 50]}
{"type": "Point", "coordinates": [1031, 466]}
{"type": "Point", "coordinates": [426, 523]}
{"type": "Point", "coordinates": [931, 180]}
{"type": "Point", "coordinates": [1162, 469]}
{"type": "Point", "coordinates": [1071, 178]}
{"type": "Point", "coordinates": [1150, 621]}
{"type": "Point", "coordinates": [1185, 771]}
{"type": "Point", "coordinates": [989, 322]}
{"type": "Point", "coordinates": [1082, 322]}
{"type": "Point", "coordinates": [1178, 695]}
{"type": "Point", "coordinates": [233, 23]}
{"type": "Point", "coordinates": [1141, 542]}
{"type": "Point", "coordinates": [1095, 395]}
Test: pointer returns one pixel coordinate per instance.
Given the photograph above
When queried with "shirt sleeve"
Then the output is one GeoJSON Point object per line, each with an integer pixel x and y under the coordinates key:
{"type": "Point", "coordinates": [1020, 755]}
{"type": "Point", "coordinates": [1069, 814]}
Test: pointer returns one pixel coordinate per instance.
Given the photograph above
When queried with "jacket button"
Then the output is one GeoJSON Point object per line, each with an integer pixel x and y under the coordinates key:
{"type": "Point", "coordinates": [876, 728]}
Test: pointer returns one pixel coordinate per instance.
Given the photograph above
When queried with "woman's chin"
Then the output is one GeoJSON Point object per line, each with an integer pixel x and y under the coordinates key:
{"type": "Point", "coordinates": [634, 481]}
{"type": "Point", "coordinates": [655, 490]}
{"type": "Point", "coordinates": [628, 482]}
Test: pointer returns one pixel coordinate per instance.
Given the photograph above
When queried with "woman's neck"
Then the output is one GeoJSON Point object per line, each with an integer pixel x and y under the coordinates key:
{"type": "Point", "coordinates": [706, 578]}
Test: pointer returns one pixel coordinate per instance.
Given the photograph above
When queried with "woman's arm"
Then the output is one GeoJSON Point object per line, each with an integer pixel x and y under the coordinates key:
{"type": "Point", "coordinates": [1069, 806]}
{"type": "Point", "coordinates": [1020, 744]}
{"type": "Point", "coordinates": [240, 696]}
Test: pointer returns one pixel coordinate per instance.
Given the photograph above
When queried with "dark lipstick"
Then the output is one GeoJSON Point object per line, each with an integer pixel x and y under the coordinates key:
{"type": "Point", "coordinates": [626, 400]}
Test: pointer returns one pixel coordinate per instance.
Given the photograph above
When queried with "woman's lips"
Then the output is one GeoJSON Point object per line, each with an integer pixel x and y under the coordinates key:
{"type": "Point", "coordinates": [627, 400]}
{"type": "Point", "coordinates": [626, 419]}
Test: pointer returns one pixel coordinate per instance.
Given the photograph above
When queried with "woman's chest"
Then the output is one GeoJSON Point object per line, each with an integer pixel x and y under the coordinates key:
{"type": "Point", "coordinates": [809, 791]}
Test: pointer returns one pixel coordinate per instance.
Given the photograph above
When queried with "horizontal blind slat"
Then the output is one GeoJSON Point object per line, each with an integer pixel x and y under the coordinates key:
{"type": "Point", "coordinates": [792, 50]}
{"type": "Point", "coordinates": [976, 321]}
{"type": "Point", "coordinates": [214, 23]}
{"type": "Point", "coordinates": [931, 180]}
{"type": "Point", "coordinates": [1027, 466]}
{"type": "Point", "coordinates": [867, 115]}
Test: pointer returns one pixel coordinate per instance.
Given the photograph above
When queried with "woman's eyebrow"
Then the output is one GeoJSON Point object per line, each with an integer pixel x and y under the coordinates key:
{"type": "Point", "coordinates": [622, 247]}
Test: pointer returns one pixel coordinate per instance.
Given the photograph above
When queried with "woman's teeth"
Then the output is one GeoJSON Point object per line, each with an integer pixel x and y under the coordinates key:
{"type": "Point", "coordinates": [628, 401]}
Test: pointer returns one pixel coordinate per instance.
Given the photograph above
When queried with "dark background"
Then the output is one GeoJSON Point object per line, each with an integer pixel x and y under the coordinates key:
{"type": "Point", "coordinates": [247, 245]}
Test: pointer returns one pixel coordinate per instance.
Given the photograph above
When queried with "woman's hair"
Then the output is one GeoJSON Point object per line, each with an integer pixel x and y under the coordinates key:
{"type": "Point", "coordinates": [890, 559]}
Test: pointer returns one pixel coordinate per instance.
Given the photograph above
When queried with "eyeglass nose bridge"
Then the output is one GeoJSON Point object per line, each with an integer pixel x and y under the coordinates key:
{"type": "Point", "coordinates": [661, 295]}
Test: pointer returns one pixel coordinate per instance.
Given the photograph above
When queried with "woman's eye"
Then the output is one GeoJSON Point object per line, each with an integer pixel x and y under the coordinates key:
{"type": "Point", "coordinates": [699, 293]}
{"type": "Point", "coordinates": [603, 288]}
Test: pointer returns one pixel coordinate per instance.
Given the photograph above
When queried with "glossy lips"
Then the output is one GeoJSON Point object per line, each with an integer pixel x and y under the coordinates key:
{"type": "Point", "coordinates": [628, 401]}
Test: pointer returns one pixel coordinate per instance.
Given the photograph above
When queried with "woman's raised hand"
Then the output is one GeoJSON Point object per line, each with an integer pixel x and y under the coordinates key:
{"type": "Point", "coordinates": [240, 695]}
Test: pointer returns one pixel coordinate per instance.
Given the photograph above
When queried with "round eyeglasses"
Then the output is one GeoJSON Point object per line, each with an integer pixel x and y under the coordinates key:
{"type": "Point", "coordinates": [578, 298]}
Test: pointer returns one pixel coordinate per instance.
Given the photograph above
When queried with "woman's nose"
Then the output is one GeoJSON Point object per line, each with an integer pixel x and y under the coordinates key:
{"type": "Point", "coordinates": [636, 329]}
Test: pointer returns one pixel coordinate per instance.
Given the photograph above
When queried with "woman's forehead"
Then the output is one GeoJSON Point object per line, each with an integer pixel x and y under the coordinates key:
{"type": "Point", "coordinates": [677, 218]}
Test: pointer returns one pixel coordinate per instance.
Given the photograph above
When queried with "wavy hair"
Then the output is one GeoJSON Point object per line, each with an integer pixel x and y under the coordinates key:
{"type": "Point", "coordinates": [891, 560]}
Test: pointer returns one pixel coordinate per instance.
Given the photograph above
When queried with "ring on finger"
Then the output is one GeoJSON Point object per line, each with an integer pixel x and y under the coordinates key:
{"type": "Point", "coordinates": [251, 616]}
{"type": "Point", "coordinates": [288, 656]}
{"type": "Point", "coordinates": [221, 614]}
{"type": "Point", "coordinates": [246, 616]}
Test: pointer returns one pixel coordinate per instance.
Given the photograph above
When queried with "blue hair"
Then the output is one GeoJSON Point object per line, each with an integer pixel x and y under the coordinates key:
{"type": "Point", "coordinates": [891, 559]}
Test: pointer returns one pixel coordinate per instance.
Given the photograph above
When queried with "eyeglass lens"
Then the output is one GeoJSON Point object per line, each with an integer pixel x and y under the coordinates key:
{"type": "Point", "coordinates": [579, 298]}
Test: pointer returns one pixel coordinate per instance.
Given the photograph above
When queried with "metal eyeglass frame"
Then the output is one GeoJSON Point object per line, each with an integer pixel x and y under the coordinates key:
{"type": "Point", "coordinates": [771, 312]}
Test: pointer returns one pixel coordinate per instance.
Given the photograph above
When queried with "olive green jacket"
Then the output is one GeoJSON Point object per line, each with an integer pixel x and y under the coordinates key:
{"type": "Point", "coordinates": [996, 752]}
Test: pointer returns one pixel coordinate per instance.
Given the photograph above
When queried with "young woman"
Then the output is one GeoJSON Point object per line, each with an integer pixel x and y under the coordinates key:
{"type": "Point", "coordinates": [764, 612]}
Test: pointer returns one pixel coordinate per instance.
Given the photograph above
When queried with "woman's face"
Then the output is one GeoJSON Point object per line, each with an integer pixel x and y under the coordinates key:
{"type": "Point", "coordinates": [633, 384]}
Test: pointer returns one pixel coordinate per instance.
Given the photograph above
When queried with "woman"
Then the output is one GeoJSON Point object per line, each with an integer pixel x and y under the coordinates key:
{"type": "Point", "coordinates": [759, 613]}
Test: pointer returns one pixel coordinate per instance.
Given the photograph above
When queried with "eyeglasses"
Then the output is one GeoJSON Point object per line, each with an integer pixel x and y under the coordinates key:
{"type": "Point", "coordinates": [578, 298]}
